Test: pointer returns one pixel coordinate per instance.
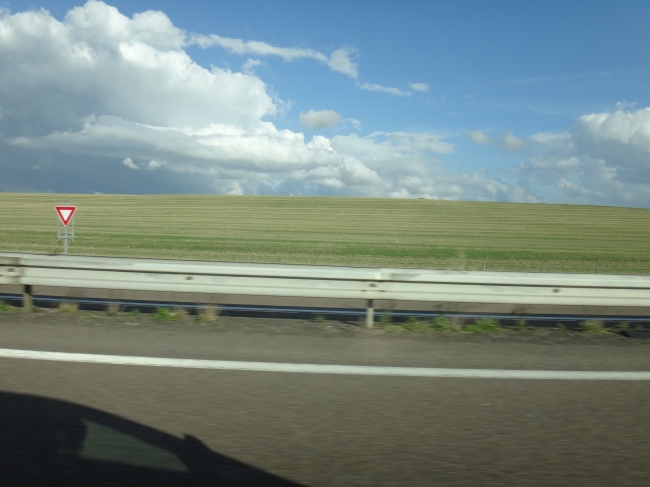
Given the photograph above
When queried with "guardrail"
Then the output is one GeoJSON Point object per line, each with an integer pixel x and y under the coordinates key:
{"type": "Point", "coordinates": [369, 284]}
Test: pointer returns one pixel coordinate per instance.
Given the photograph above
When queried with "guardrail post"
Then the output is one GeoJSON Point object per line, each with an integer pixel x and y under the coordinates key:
{"type": "Point", "coordinates": [28, 300]}
{"type": "Point", "coordinates": [370, 314]}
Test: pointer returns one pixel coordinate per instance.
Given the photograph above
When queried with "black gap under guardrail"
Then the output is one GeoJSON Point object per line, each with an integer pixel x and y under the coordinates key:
{"type": "Point", "coordinates": [352, 316]}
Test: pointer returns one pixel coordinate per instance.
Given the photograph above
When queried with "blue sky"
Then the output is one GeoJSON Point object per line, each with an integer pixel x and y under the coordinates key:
{"type": "Point", "coordinates": [479, 100]}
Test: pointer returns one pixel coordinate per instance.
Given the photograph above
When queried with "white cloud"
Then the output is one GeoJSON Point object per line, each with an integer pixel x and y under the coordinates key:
{"type": "Point", "coordinates": [250, 156]}
{"type": "Point", "coordinates": [604, 158]}
{"type": "Point", "coordinates": [512, 143]}
{"type": "Point", "coordinates": [249, 66]}
{"type": "Point", "coordinates": [620, 127]}
{"type": "Point", "coordinates": [128, 162]}
{"type": "Point", "coordinates": [153, 164]}
{"type": "Point", "coordinates": [340, 60]}
{"type": "Point", "coordinates": [97, 61]}
{"type": "Point", "coordinates": [405, 163]}
{"type": "Point", "coordinates": [320, 119]}
{"type": "Point", "coordinates": [259, 48]}
{"type": "Point", "coordinates": [354, 122]}
{"type": "Point", "coordinates": [479, 137]}
{"type": "Point", "coordinates": [384, 89]}
{"type": "Point", "coordinates": [419, 86]}
{"type": "Point", "coordinates": [97, 22]}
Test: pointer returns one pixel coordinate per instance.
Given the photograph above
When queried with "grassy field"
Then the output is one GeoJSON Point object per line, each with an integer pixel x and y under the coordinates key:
{"type": "Point", "coordinates": [338, 231]}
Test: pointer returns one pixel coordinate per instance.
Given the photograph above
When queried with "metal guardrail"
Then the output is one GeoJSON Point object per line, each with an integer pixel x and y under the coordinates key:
{"type": "Point", "coordinates": [369, 284]}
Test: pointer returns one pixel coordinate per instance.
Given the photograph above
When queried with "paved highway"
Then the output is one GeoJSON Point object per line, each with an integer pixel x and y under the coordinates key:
{"type": "Point", "coordinates": [175, 425]}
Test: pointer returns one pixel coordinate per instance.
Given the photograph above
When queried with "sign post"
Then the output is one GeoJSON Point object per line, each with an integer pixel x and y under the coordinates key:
{"type": "Point", "coordinates": [66, 216]}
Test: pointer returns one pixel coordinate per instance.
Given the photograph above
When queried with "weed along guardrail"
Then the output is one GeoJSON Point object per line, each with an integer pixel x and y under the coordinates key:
{"type": "Point", "coordinates": [369, 284]}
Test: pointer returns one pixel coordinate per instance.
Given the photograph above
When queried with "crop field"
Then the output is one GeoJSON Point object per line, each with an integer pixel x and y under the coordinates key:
{"type": "Point", "coordinates": [338, 231]}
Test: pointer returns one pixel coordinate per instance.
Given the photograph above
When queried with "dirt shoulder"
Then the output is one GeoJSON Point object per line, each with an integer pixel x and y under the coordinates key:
{"type": "Point", "coordinates": [330, 342]}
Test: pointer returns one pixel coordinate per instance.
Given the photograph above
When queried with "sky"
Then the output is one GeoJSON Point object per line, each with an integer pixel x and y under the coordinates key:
{"type": "Point", "coordinates": [485, 100]}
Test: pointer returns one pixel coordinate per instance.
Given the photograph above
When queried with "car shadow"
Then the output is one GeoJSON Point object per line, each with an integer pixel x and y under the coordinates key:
{"type": "Point", "coordinates": [47, 442]}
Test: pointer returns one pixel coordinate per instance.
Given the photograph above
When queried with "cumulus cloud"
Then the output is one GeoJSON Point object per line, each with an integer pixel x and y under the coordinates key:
{"type": "Point", "coordinates": [340, 60]}
{"type": "Point", "coordinates": [419, 86]}
{"type": "Point", "coordinates": [604, 158]}
{"type": "Point", "coordinates": [97, 61]}
{"type": "Point", "coordinates": [479, 137]}
{"type": "Point", "coordinates": [512, 143]}
{"type": "Point", "coordinates": [384, 89]}
{"type": "Point", "coordinates": [320, 119]}
{"type": "Point", "coordinates": [128, 162]}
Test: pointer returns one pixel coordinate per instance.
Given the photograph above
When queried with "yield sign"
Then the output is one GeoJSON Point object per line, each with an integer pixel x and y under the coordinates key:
{"type": "Point", "coordinates": [65, 213]}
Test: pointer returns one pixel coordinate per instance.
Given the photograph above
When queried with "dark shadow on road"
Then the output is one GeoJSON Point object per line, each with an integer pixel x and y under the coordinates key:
{"type": "Point", "coordinates": [46, 442]}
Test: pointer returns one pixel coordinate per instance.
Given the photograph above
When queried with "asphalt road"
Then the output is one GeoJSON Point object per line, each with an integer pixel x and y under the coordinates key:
{"type": "Point", "coordinates": [269, 428]}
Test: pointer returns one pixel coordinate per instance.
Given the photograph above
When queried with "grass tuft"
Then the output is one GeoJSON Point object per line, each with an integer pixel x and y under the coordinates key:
{"type": "Point", "coordinates": [414, 324]}
{"type": "Point", "coordinates": [593, 326]}
{"type": "Point", "coordinates": [163, 314]}
{"type": "Point", "coordinates": [442, 323]}
{"type": "Point", "coordinates": [4, 307]}
{"type": "Point", "coordinates": [523, 326]}
{"type": "Point", "coordinates": [483, 325]}
{"type": "Point", "coordinates": [68, 307]}
{"type": "Point", "coordinates": [180, 314]}
{"type": "Point", "coordinates": [457, 323]}
{"type": "Point", "coordinates": [134, 312]}
{"type": "Point", "coordinates": [386, 318]}
{"type": "Point", "coordinates": [113, 309]}
{"type": "Point", "coordinates": [319, 319]}
{"type": "Point", "coordinates": [208, 314]}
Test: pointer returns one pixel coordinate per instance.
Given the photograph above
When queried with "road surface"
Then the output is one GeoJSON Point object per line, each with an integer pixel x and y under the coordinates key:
{"type": "Point", "coordinates": [284, 428]}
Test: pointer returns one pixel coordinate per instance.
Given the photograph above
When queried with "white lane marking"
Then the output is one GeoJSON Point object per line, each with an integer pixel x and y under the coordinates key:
{"type": "Point", "coordinates": [323, 369]}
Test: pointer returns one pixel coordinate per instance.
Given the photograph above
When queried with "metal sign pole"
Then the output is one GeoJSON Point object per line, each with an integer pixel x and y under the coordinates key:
{"type": "Point", "coordinates": [65, 234]}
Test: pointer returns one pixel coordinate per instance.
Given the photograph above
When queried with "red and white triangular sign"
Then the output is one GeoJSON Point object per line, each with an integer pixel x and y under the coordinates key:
{"type": "Point", "coordinates": [65, 213]}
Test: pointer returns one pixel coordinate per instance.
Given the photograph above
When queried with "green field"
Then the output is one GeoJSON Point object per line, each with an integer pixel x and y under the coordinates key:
{"type": "Point", "coordinates": [338, 231]}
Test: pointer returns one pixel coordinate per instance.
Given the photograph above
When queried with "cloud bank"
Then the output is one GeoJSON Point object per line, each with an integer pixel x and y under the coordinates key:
{"type": "Point", "coordinates": [99, 86]}
{"type": "Point", "coordinates": [99, 101]}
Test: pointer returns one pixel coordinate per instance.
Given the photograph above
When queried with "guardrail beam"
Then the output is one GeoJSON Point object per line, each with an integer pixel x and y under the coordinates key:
{"type": "Point", "coordinates": [322, 282]}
